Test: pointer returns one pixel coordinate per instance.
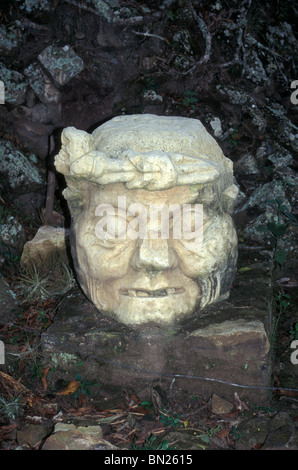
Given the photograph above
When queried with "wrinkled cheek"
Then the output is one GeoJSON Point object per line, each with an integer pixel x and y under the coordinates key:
{"type": "Point", "coordinates": [101, 263]}
{"type": "Point", "coordinates": [211, 255]}
{"type": "Point", "coordinates": [195, 265]}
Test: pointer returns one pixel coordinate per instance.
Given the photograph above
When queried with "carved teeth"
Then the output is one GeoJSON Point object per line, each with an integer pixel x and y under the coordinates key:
{"type": "Point", "coordinates": [142, 293]}
{"type": "Point", "coordinates": [171, 290]}
{"type": "Point", "coordinates": [131, 293]}
{"type": "Point", "coordinates": [150, 293]}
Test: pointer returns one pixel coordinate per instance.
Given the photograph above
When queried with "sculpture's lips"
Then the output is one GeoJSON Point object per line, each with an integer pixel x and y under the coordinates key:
{"type": "Point", "coordinates": [152, 293]}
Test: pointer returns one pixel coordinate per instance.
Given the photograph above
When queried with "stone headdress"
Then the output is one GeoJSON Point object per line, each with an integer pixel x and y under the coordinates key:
{"type": "Point", "coordinates": [146, 152]}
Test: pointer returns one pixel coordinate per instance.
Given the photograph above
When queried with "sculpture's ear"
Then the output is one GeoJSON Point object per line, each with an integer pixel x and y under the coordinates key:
{"type": "Point", "coordinates": [75, 143]}
{"type": "Point", "coordinates": [229, 196]}
{"type": "Point", "coordinates": [75, 195]}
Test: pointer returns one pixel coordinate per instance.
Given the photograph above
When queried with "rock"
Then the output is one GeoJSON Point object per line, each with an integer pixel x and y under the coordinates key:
{"type": "Point", "coordinates": [10, 40]}
{"type": "Point", "coordinates": [287, 131]}
{"type": "Point", "coordinates": [151, 97]}
{"type": "Point", "coordinates": [251, 432]}
{"type": "Point", "coordinates": [215, 123]}
{"type": "Point", "coordinates": [21, 171]}
{"type": "Point", "coordinates": [71, 437]}
{"type": "Point", "coordinates": [254, 69]}
{"type": "Point", "coordinates": [259, 197]}
{"type": "Point", "coordinates": [48, 243]}
{"type": "Point", "coordinates": [104, 8]}
{"type": "Point", "coordinates": [181, 62]}
{"type": "Point", "coordinates": [12, 235]}
{"type": "Point", "coordinates": [251, 230]}
{"type": "Point", "coordinates": [15, 85]}
{"type": "Point", "coordinates": [246, 166]}
{"type": "Point", "coordinates": [224, 334]}
{"type": "Point", "coordinates": [281, 438]}
{"type": "Point", "coordinates": [219, 406]}
{"type": "Point", "coordinates": [233, 95]}
{"type": "Point", "coordinates": [41, 84]}
{"type": "Point", "coordinates": [280, 157]}
{"type": "Point", "coordinates": [8, 302]}
{"type": "Point", "coordinates": [62, 63]}
{"type": "Point", "coordinates": [183, 42]}
{"type": "Point", "coordinates": [181, 440]}
{"type": "Point", "coordinates": [33, 434]}
{"type": "Point", "coordinates": [35, 6]}
{"type": "Point", "coordinates": [280, 419]}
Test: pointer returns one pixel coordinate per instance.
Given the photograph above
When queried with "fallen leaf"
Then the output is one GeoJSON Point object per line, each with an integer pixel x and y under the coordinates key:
{"type": "Point", "coordinates": [223, 433]}
{"type": "Point", "coordinates": [71, 388]}
{"type": "Point", "coordinates": [44, 378]}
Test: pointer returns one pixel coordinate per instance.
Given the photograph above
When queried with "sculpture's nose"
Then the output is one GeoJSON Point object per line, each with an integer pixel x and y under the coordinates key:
{"type": "Point", "coordinates": [154, 255]}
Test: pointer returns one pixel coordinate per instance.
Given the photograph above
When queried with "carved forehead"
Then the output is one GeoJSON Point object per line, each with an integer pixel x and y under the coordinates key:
{"type": "Point", "coordinates": [146, 133]}
{"type": "Point", "coordinates": [109, 194]}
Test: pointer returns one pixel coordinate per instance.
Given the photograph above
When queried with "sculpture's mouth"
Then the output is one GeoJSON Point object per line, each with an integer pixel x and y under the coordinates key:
{"type": "Point", "coordinates": [152, 293]}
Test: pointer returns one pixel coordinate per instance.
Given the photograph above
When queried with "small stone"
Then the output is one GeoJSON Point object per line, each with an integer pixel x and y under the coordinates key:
{"type": "Point", "coordinates": [234, 333]}
{"type": "Point", "coordinates": [62, 63]}
{"type": "Point", "coordinates": [10, 40]}
{"type": "Point", "coordinates": [220, 406]}
{"type": "Point", "coordinates": [70, 437]}
{"type": "Point", "coordinates": [246, 166]}
{"type": "Point", "coordinates": [32, 434]}
{"type": "Point", "coordinates": [41, 84]}
{"type": "Point", "coordinates": [12, 235]}
{"type": "Point", "coordinates": [33, 6]}
{"type": "Point", "coordinates": [21, 172]}
{"type": "Point", "coordinates": [15, 86]}
{"type": "Point", "coordinates": [48, 242]}
{"type": "Point", "coordinates": [151, 97]}
{"type": "Point", "coordinates": [216, 126]}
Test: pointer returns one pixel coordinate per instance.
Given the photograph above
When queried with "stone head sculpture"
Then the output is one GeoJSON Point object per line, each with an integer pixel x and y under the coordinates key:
{"type": "Point", "coordinates": [151, 199]}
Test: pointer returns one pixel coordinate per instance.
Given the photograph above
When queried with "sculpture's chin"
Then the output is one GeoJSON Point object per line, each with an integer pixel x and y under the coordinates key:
{"type": "Point", "coordinates": [140, 306]}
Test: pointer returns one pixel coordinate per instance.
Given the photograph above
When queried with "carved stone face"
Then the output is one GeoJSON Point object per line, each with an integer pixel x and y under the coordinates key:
{"type": "Point", "coordinates": [149, 276]}
{"type": "Point", "coordinates": [141, 280]}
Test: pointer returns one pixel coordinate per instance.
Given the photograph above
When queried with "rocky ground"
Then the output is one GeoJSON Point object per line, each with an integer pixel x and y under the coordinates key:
{"type": "Point", "coordinates": [233, 65]}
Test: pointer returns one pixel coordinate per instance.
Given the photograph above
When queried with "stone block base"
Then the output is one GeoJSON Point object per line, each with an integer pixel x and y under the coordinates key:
{"type": "Point", "coordinates": [228, 342]}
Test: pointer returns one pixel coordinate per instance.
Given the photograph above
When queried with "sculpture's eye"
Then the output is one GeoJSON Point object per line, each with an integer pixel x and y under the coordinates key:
{"type": "Point", "coordinates": [112, 225]}
{"type": "Point", "coordinates": [192, 222]}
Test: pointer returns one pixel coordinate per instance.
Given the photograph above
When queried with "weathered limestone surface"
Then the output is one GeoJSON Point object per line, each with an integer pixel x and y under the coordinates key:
{"type": "Point", "coordinates": [128, 167]}
{"type": "Point", "coordinates": [228, 341]}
